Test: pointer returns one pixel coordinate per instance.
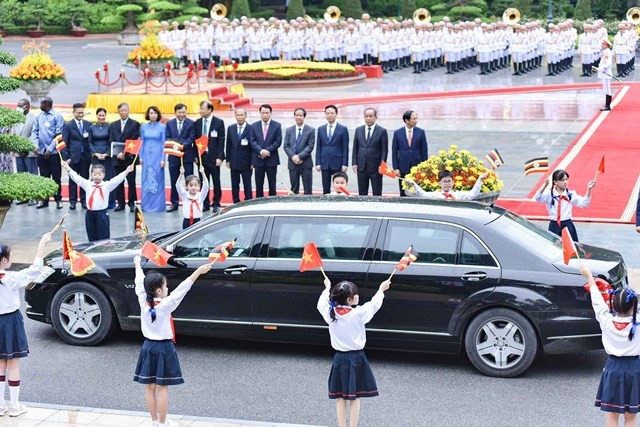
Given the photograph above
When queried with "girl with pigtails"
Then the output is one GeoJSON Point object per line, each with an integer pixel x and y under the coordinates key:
{"type": "Point", "coordinates": [619, 389]}
{"type": "Point", "coordinates": [351, 377]}
{"type": "Point", "coordinates": [158, 365]}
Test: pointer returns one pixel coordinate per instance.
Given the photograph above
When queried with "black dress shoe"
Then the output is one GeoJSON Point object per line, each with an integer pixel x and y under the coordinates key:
{"type": "Point", "coordinates": [216, 209]}
{"type": "Point", "coordinates": [172, 209]}
{"type": "Point", "coordinates": [205, 208]}
{"type": "Point", "coordinates": [84, 206]}
{"type": "Point", "coordinates": [72, 206]}
{"type": "Point", "coordinates": [42, 205]}
{"type": "Point", "coordinates": [58, 205]}
{"type": "Point", "coordinates": [32, 203]}
{"type": "Point", "coordinates": [119, 208]}
{"type": "Point", "coordinates": [132, 208]}
{"type": "Point", "coordinates": [21, 203]}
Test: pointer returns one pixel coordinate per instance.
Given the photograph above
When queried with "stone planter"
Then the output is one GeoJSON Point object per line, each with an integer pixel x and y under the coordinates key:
{"type": "Point", "coordinates": [35, 34]}
{"type": "Point", "coordinates": [38, 89]}
{"type": "Point", "coordinates": [79, 32]}
{"type": "Point", "coordinates": [156, 67]}
{"type": "Point", "coordinates": [489, 197]}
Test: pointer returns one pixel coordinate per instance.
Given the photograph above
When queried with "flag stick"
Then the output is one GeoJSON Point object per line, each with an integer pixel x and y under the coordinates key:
{"type": "Point", "coordinates": [392, 273]}
{"type": "Point", "coordinates": [287, 188]}
{"type": "Point", "coordinates": [323, 273]}
{"type": "Point", "coordinates": [59, 223]}
{"type": "Point", "coordinates": [134, 160]}
{"type": "Point", "coordinates": [595, 177]}
{"type": "Point", "coordinates": [181, 162]}
{"type": "Point", "coordinates": [200, 158]}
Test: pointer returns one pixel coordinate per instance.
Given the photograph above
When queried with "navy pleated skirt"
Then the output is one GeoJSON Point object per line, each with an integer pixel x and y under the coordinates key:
{"type": "Point", "coordinates": [553, 227]}
{"type": "Point", "coordinates": [158, 364]}
{"type": "Point", "coordinates": [13, 338]}
{"type": "Point", "coordinates": [619, 389]}
{"type": "Point", "coordinates": [351, 376]}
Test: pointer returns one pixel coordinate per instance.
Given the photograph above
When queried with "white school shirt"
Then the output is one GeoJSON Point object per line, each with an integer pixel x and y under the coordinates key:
{"type": "Point", "coordinates": [615, 330]}
{"type": "Point", "coordinates": [13, 281]}
{"type": "Point", "coordinates": [457, 195]}
{"type": "Point", "coordinates": [161, 328]}
{"type": "Point", "coordinates": [565, 213]}
{"type": "Point", "coordinates": [99, 201]}
{"type": "Point", "coordinates": [348, 332]}
{"type": "Point", "coordinates": [196, 201]}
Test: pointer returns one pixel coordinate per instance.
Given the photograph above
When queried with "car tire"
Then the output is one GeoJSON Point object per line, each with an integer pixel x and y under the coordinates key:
{"type": "Point", "coordinates": [82, 315]}
{"type": "Point", "coordinates": [501, 343]}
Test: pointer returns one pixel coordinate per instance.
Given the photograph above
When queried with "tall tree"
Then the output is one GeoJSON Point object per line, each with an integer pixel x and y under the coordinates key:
{"type": "Point", "coordinates": [353, 9]}
{"type": "Point", "coordinates": [583, 10]}
{"type": "Point", "coordinates": [240, 8]}
{"type": "Point", "coordinates": [296, 8]}
{"type": "Point", "coordinates": [407, 7]}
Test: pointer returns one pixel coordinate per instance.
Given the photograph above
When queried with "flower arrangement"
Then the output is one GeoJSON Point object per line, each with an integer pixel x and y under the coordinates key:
{"type": "Point", "coordinates": [38, 65]}
{"type": "Point", "coordinates": [288, 70]}
{"type": "Point", "coordinates": [150, 49]}
{"type": "Point", "coordinates": [465, 167]}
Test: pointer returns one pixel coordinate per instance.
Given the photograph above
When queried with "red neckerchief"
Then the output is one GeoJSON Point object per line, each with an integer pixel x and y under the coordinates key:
{"type": "Point", "coordinates": [191, 217]}
{"type": "Point", "coordinates": [621, 325]}
{"type": "Point", "coordinates": [343, 310]}
{"type": "Point", "coordinates": [448, 196]}
{"type": "Point", "coordinates": [101, 194]}
{"type": "Point", "coordinates": [173, 327]}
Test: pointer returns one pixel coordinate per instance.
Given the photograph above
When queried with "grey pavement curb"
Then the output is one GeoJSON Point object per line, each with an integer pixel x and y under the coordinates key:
{"type": "Point", "coordinates": [175, 417]}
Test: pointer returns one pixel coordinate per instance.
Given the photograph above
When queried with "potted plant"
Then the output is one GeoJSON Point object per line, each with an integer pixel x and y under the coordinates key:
{"type": "Point", "coordinates": [17, 186]}
{"type": "Point", "coordinates": [34, 11]}
{"type": "Point", "coordinates": [78, 10]}
{"type": "Point", "coordinates": [125, 13]}
{"type": "Point", "coordinates": [153, 52]}
{"type": "Point", "coordinates": [37, 73]}
{"type": "Point", "coordinates": [10, 11]}
{"type": "Point", "coordinates": [465, 167]}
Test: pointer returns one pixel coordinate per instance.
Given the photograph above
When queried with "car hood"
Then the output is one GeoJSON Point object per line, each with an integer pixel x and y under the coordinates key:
{"type": "Point", "coordinates": [598, 260]}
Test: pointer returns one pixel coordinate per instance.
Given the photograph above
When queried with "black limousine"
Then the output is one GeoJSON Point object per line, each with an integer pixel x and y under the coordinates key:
{"type": "Point", "coordinates": [487, 282]}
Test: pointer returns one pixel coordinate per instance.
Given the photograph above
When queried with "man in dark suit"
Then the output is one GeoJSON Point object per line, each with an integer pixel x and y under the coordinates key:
{"type": "Point", "coordinates": [299, 140]}
{"type": "Point", "coordinates": [183, 131]}
{"type": "Point", "coordinates": [370, 148]}
{"type": "Point", "coordinates": [268, 138]}
{"type": "Point", "coordinates": [213, 128]}
{"type": "Point", "coordinates": [239, 155]}
{"type": "Point", "coordinates": [332, 148]}
{"type": "Point", "coordinates": [76, 154]}
{"type": "Point", "coordinates": [120, 131]}
{"type": "Point", "coordinates": [409, 146]}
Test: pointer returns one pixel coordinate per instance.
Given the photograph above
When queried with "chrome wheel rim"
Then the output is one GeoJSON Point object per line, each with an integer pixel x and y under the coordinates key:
{"type": "Point", "coordinates": [80, 315]}
{"type": "Point", "coordinates": [500, 344]}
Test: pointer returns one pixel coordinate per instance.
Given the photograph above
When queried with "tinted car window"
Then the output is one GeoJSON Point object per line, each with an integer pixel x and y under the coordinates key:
{"type": "Point", "coordinates": [200, 243]}
{"type": "Point", "coordinates": [519, 229]}
{"type": "Point", "coordinates": [473, 253]}
{"type": "Point", "coordinates": [335, 237]}
{"type": "Point", "coordinates": [435, 243]}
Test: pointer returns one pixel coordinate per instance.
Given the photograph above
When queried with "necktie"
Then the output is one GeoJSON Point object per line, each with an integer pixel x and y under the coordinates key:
{"type": "Point", "coordinates": [173, 327]}
{"type": "Point", "coordinates": [191, 217]}
{"type": "Point", "coordinates": [80, 127]}
{"type": "Point", "coordinates": [330, 132]}
{"type": "Point", "coordinates": [205, 129]}
{"type": "Point", "coordinates": [298, 140]}
{"type": "Point", "coordinates": [100, 193]}
{"type": "Point", "coordinates": [559, 213]}
{"type": "Point", "coordinates": [410, 137]}
{"type": "Point", "coordinates": [369, 134]}
{"type": "Point", "coordinates": [265, 129]}
{"type": "Point", "coordinates": [239, 131]}
{"type": "Point", "coordinates": [448, 196]}
{"type": "Point", "coordinates": [179, 127]}
{"type": "Point", "coordinates": [122, 123]}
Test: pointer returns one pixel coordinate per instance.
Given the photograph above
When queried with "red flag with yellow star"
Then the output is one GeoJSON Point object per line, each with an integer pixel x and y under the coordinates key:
{"type": "Point", "coordinates": [310, 258]}
{"type": "Point", "coordinates": [132, 146]}
{"type": "Point", "coordinates": [221, 252]}
{"type": "Point", "coordinates": [409, 256]}
{"type": "Point", "coordinates": [201, 144]}
{"type": "Point", "coordinates": [156, 254]}
{"type": "Point", "coordinates": [568, 247]}
{"type": "Point", "coordinates": [384, 169]}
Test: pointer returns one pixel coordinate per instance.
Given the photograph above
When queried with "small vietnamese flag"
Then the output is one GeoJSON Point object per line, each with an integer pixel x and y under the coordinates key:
{"type": "Point", "coordinates": [132, 146]}
{"type": "Point", "coordinates": [601, 167]}
{"type": "Point", "coordinates": [156, 254]}
{"type": "Point", "coordinates": [310, 258]}
{"type": "Point", "coordinates": [384, 169]}
{"type": "Point", "coordinates": [568, 247]}
{"type": "Point", "coordinates": [201, 144]}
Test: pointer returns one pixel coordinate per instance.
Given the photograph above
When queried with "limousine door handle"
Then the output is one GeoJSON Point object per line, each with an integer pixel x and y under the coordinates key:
{"type": "Point", "coordinates": [474, 276]}
{"type": "Point", "coordinates": [236, 269]}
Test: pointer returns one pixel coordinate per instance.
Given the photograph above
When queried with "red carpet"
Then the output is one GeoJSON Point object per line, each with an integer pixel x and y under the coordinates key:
{"type": "Point", "coordinates": [612, 134]}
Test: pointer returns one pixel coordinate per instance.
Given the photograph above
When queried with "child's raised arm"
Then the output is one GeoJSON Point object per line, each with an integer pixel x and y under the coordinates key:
{"type": "Point", "coordinates": [590, 186]}
{"type": "Point", "coordinates": [540, 196]}
{"type": "Point", "coordinates": [46, 238]}
{"type": "Point", "coordinates": [599, 306]}
{"type": "Point", "coordinates": [139, 280]}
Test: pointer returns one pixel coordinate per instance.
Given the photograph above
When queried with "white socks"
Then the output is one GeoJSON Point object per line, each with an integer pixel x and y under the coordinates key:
{"type": "Point", "coordinates": [3, 380]}
{"type": "Point", "coordinates": [14, 393]}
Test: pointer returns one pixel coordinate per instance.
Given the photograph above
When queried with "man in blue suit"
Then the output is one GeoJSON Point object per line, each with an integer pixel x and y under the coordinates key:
{"type": "Point", "coordinates": [183, 131]}
{"type": "Point", "coordinates": [299, 141]}
{"type": "Point", "coordinates": [409, 146]}
{"type": "Point", "coordinates": [240, 139]}
{"type": "Point", "coordinates": [76, 153]}
{"type": "Point", "coordinates": [268, 138]}
{"type": "Point", "coordinates": [332, 148]}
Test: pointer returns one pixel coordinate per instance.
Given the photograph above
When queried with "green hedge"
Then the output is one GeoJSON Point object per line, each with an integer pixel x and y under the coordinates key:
{"type": "Point", "coordinates": [263, 13]}
{"type": "Point", "coordinates": [104, 28]}
{"type": "Point", "coordinates": [21, 30]}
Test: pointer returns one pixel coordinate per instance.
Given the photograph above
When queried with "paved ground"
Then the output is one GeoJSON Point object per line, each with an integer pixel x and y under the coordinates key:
{"type": "Point", "coordinates": [287, 383]}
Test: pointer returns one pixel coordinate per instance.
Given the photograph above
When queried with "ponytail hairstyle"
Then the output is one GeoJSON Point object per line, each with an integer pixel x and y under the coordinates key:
{"type": "Point", "coordinates": [339, 295]}
{"type": "Point", "coordinates": [152, 282]}
{"type": "Point", "coordinates": [624, 300]}
{"type": "Point", "coordinates": [558, 175]}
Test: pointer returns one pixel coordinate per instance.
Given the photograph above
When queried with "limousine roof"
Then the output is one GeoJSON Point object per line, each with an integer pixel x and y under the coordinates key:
{"type": "Point", "coordinates": [396, 206]}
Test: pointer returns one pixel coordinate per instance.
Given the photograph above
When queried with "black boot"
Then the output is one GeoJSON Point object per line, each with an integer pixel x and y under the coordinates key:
{"type": "Point", "coordinates": [416, 67]}
{"type": "Point", "coordinates": [584, 71]}
{"type": "Point", "coordinates": [607, 104]}
{"type": "Point", "coordinates": [449, 68]}
{"type": "Point", "coordinates": [516, 69]}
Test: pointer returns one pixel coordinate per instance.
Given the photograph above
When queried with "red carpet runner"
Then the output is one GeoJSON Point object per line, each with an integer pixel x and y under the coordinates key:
{"type": "Point", "coordinates": [615, 135]}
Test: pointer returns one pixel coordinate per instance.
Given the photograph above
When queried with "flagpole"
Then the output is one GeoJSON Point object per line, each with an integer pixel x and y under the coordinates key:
{"type": "Point", "coordinates": [595, 177]}
{"type": "Point", "coordinates": [134, 160]}
{"type": "Point", "coordinates": [392, 273]}
{"type": "Point", "coordinates": [57, 226]}
{"type": "Point", "coordinates": [288, 189]}
{"type": "Point", "coordinates": [323, 273]}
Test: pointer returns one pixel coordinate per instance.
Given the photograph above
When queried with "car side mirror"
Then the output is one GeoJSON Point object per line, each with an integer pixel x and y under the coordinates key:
{"type": "Point", "coordinates": [178, 264]}
{"type": "Point", "coordinates": [169, 248]}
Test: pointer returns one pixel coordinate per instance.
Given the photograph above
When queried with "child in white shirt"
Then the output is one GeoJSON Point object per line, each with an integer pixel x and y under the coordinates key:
{"type": "Point", "coordinates": [192, 196]}
{"type": "Point", "coordinates": [446, 181]}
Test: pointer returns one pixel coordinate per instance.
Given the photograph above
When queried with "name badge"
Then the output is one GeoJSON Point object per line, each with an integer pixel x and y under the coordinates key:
{"type": "Point", "coordinates": [47, 125]}
{"type": "Point", "coordinates": [85, 134]}
{"type": "Point", "coordinates": [214, 133]}
{"type": "Point", "coordinates": [244, 141]}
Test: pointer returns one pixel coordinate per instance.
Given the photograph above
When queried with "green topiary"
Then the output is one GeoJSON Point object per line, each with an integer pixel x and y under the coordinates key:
{"type": "Point", "coordinates": [240, 8]}
{"type": "Point", "coordinates": [407, 7]}
{"type": "Point", "coordinates": [352, 9]}
{"type": "Point", "coordinates": [583, 10]}
{"type": "Point", "coordinates": [23, 187]}
{"type": "Point", "coordinates": [296, 8]}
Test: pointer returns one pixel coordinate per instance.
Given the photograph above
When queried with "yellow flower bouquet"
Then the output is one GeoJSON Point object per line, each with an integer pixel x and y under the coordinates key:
{"type": "Point", "coordinates": [38, 65]}
{"type": "Point", "coordinates": [150, 49]}
{"type": "Point", "coordinates": [465, 167]}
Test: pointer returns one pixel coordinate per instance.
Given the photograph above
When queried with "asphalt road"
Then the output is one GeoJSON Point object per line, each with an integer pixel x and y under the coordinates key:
{"type": "Point", "coordinates": [288, 383]}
